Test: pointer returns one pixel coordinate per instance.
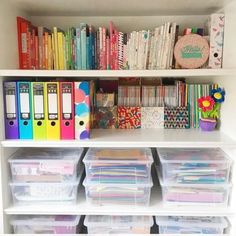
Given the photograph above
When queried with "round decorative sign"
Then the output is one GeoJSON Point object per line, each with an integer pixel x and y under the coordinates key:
{"type": "Point", "coordinates": [191, 51]}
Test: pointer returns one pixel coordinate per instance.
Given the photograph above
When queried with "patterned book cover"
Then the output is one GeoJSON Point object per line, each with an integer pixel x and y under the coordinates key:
{"type": "Point", "coordinates": [105, 99]}
{"type": "Point", "coordinates": [82, 110]}
{"type": "Point", "coordinates": [176, 118]}
{"type": "Point", "coordinates": [216, 30]}
{"type": "Point", "coordinates": [129, 117]}
{"type": "Point", "coordinates": [105, 118]}
{"type": "Point", "coordinates": [152, 117]}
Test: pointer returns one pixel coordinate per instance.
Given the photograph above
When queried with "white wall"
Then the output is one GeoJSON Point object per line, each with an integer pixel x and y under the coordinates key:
{"type": "Point", "coordinates": [8, 35]}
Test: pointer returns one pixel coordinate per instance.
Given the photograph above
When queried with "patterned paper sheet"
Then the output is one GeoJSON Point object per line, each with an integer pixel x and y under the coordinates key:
{"type": "Point", "coordinates": [176, 118]}
{"type": "Point", "coordinates": [105, 118]}
{"type": "Point", "coordinates": [129, 117]}
{"type": "Point", "coordinates": [82, 110]}
{"type": "Point", "coordinates": [152, 117]}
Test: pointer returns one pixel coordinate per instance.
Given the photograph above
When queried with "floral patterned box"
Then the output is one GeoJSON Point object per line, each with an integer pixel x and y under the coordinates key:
{"type": "Point", "coordinates": [105, 118]}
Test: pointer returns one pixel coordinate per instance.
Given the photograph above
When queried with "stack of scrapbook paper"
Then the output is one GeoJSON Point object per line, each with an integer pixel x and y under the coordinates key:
{"type": "Point", "coordinates": [194, 175]}
{"type": "Point", "coordinates": [120, 176]}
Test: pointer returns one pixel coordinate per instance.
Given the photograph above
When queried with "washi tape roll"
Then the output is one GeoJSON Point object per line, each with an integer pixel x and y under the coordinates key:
{"type": "Point", "coordinates": [191, 51]}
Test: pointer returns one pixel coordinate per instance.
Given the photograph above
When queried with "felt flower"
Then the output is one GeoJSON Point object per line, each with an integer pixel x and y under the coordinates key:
{"type": "Point", "coordinates": [206, 103]}
{"type": "Point", "coordinates": [218, 95]}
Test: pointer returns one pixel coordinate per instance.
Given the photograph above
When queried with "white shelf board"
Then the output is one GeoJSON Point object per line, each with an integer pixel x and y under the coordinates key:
{"type": "Point", "coordinates": [119, 73]}
{"type": "Point", "coordinates": [113, 7]}
{"type": "Point", "coordinates": [136, 138]}
{"type": "Point", "coordinates": [83, 208]}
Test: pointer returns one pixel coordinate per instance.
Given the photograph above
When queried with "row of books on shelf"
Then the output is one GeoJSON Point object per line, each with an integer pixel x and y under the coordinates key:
{"type": "Point", "coordinates": [68, 110]}
{"type": "Point", "coordinates": [87, 48]}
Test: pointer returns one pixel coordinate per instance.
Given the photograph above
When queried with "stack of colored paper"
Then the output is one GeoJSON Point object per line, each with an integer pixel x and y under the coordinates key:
{"type": "Point", "coordinates": [194, 175]}
{"type": "Point", "coordinates": [120, 176]}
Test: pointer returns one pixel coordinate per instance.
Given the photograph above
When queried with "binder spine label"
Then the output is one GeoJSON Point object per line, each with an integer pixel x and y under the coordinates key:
{"type": "Point", "coordinates": [11, 110]}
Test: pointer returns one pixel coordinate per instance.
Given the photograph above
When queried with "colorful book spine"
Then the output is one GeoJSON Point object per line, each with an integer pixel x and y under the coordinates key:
{"type": "Point", "coordinates": [55, 48]}
{"type": "Point", "coordinates": [83, 28]}
{"type": "Point", "coordinates": [78, 49]}
{"type": "Point", "coordinates": [217, 23]}
{"type": "Point", "coordinates": [23, 37]}
{"type": "Point", "coordinates": [82, 110]}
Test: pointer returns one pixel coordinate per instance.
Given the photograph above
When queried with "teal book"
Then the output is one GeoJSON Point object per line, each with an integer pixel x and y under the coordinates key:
{"type": "Point", "coordinates": [83, 28]}
{"type": "Point", "coordinates": [78, 57]}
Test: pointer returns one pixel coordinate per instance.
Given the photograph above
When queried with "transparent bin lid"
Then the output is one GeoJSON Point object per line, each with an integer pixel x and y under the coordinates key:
{"type": "Point", "coordinates": [200, 155]}
{"type": "Point", "coordinates": [37, 220]}
{"type": "Point", "coordinates": [118, 221]}
{"type": "Point", "coordinates": [192, 186]}
{"type": "Point", "coordinates": [88, 183]}
{"type": "Point", "coordinates": [192, 221]}
{"type": "Point", "coordinates": [37, 154]}
{"type": "Point", "coordinates": [71, 183]}
{"type": "Point", "coordinates": [119, 155]}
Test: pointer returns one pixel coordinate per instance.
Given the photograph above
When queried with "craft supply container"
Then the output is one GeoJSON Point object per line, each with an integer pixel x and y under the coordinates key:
{"type": "Point", "coordinates": [33, 224]}
{"type": "Point", "coordinates": [97, 224]}
{"type": "Point", "coordinates": [198, 194]}
{"type": "Point", "coordinates": [194, 165]}
{"type": "Point", "coordinates": [46, 165]}
{"type": "Point", "coordinates": [118, 165]}
{"type": "Point", "coordinates": [191, 225]}
{"type": "Point", "coordinates": [117, 194]}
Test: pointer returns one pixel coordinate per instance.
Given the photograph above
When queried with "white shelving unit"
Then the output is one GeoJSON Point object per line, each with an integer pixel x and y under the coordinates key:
{"type": "Point", "coordinates": [156, 208]}
{"type": "Point", "coordinates": [127, 15]}
{"type": "Point", "coordinates": [137, 138]}
{"type": "Point", "coordinates": [119, 73]}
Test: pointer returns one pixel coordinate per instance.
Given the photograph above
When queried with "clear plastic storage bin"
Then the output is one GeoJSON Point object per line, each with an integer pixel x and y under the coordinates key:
{"type": "Point", "coordinates": [32, 193]}
{"type": "Point", "coordinates": [194, 165]}
{"type": "Point", "coordinates": [46, 165]}
{"type": "Point", "coordinates": [118, 165]}
{"type": "Point", "coordinates": [188, 194]}
{"type": "Point", "coordinates": [118, 224]}
{"type": "Point", "coordinates": [191, 225]}
{"type": "Point", "coordinates": [118, 194]}
{"type": "Point", "coordinates": [45, 224]}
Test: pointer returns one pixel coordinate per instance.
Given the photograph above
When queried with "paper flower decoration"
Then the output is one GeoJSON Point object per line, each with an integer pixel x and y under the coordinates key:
{"type": "Point", "coordinates": [218, 95]}
{"type": "Point", "coordinates": [210, 105]}
{"type": "Point", "coordinates": [206, 103]}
